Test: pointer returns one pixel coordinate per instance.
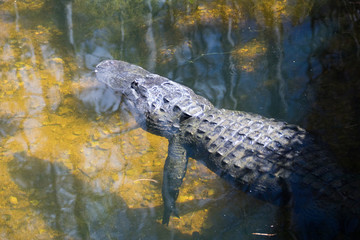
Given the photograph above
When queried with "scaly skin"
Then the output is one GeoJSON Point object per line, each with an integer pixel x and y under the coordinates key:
{"type": "Point", "coordinates": [271, 160]}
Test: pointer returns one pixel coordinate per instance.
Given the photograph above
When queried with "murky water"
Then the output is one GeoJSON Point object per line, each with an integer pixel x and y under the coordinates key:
{"type": "Point", "coordinates": [74, 167]}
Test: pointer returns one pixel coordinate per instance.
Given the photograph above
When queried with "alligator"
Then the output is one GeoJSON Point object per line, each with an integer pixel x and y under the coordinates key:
{"type": "Point", "coordinates": [271, 160]}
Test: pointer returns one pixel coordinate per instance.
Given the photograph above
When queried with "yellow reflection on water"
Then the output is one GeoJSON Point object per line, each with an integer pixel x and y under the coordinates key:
{"type": "Point", "coordinates": [214, 12]}
{"type": "Point", "coordinates": [33, 118]}
{"type": "Point", "coordinates": [42, 118]}
{"type": "Point", "coordinates": [247, 55]}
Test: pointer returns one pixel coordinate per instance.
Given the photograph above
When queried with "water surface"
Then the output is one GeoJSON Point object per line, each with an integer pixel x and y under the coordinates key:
{"type": "Point", "coordinates": [74, 167]}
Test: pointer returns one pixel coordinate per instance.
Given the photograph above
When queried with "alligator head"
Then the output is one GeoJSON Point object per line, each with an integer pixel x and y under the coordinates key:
{"type": "Point", "coordinates": [158, 103]}
{"type": "Point", "coordinates": [118, 75]}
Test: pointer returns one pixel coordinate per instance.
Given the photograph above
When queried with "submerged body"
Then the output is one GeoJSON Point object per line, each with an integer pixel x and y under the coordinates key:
{"type": "Point", "coordinates": [271, 160]}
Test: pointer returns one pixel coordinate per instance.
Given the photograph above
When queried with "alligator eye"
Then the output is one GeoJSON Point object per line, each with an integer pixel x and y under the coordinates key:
{"type": "Point", "coordinates": [134, 84]}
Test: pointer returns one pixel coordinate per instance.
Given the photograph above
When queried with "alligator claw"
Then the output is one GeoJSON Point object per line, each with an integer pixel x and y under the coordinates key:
{"type": "Point", "coordinates": [168, 210]}
{"type": "Point", "coordinates": [176, 213]}
{"type": "Point", "coordinates": [166, 218]}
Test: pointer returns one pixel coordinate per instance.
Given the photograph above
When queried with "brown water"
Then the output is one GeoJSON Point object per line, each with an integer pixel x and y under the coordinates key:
{"type": "Point", "coordinates": [72, 165]}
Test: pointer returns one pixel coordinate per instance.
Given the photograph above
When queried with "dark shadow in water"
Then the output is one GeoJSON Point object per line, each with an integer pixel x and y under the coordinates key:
{"type": "Point", "coordinates": [77, 210]}
{"type": "Point", "coordinates": [239, 216]}
{"type": "Point", "coordinates": [335, 113]}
